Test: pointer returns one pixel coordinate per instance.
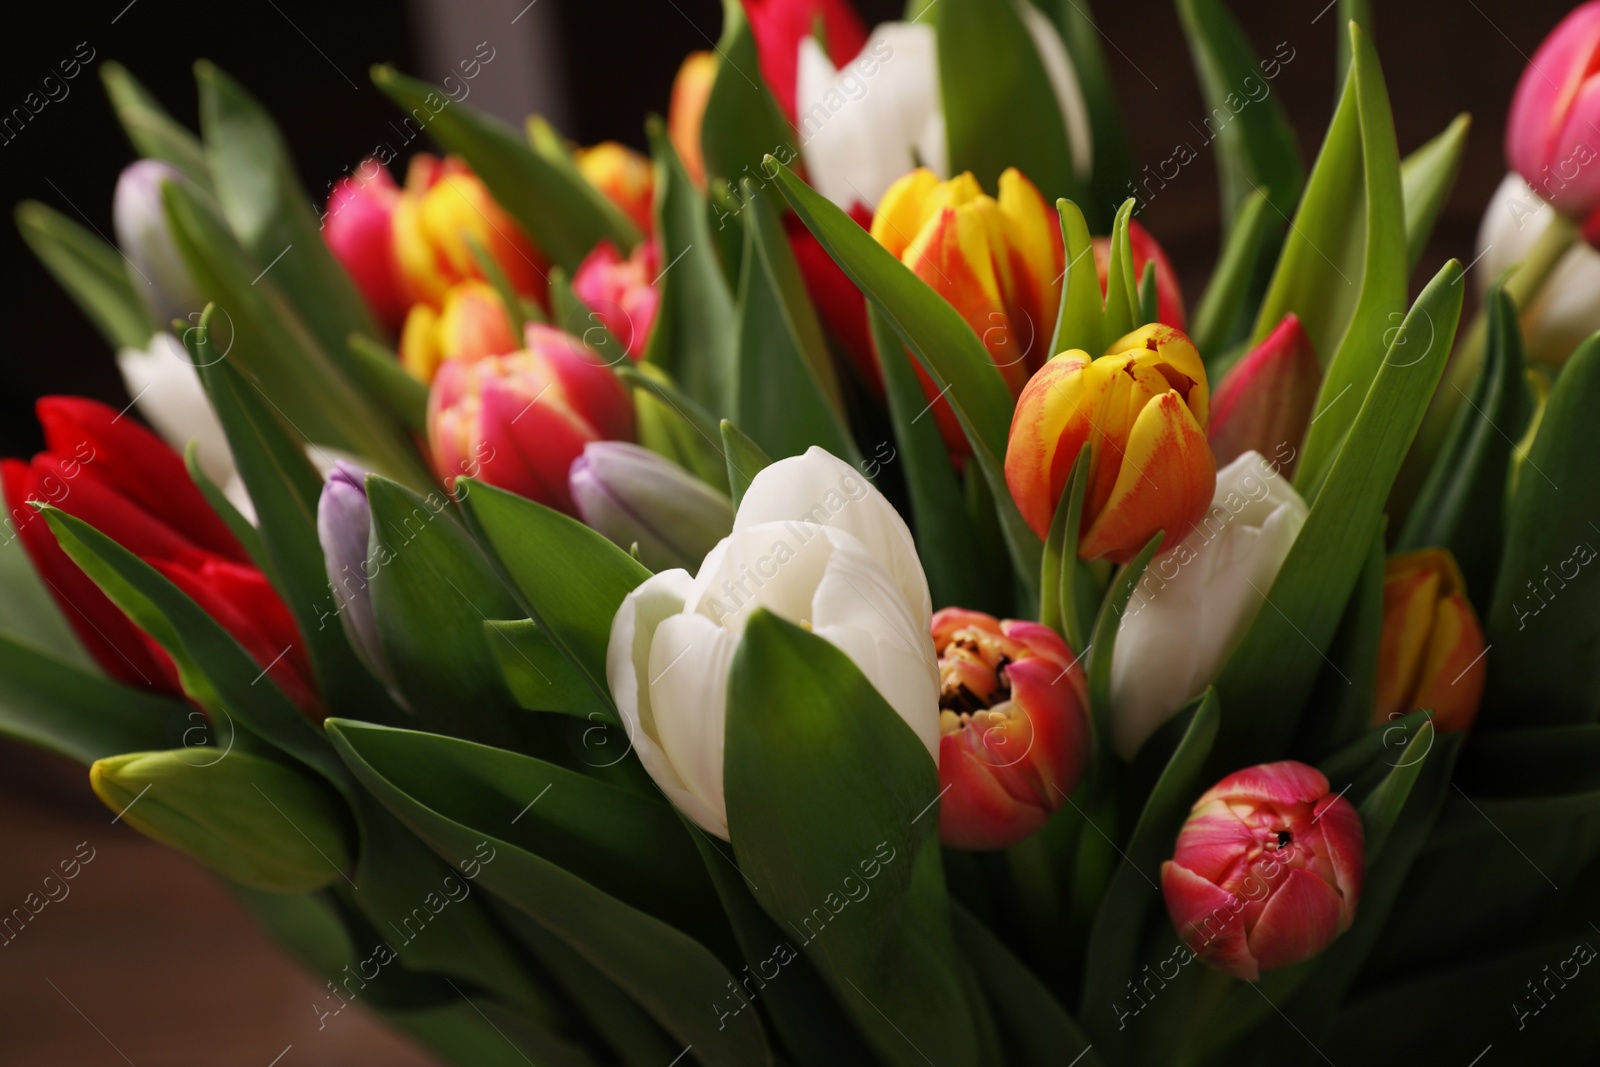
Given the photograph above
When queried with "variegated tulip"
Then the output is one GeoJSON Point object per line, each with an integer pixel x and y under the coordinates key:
{"type": "Point", "coordinates": [625, 177]}
{"type": "Point", "coordinates": [1141, 411]}
{"type": "Point", "coordinates": [473, 323]}
{"type": "Point", "coordinates": [1551, 134]}
{"type": "Point", "coordinates": [1013, 724]}
{"type": "Point", "coordinates": [622, 292]}
{"type": "Point", "coordinates": [1430, 655]}
{"type": "Point", "coordinates": [1265, 402]}
{"type": "Point", "coordinates": [1267, 871]}
{"type": "Point", "coordinates": [358, 226]}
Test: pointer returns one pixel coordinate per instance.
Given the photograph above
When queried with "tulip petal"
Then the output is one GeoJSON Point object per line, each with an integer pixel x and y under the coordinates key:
{"type": "Point", "coordinates": [1300, 918]}
{"type": "Point", "coordinates": [1283, 783]}
{"type": "Point", "coordinates": [1165, 482]}
{"type": "Point", "coordinates": [1209, 920]}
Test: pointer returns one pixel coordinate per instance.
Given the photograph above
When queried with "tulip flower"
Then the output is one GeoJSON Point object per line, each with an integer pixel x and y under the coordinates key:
{"type": "Point", "coordinates": [691, 88]}
{"type": "Point", "coordinates": [1267, 871]}
{"type": "Point", "coordinates": [473, 323]}
{"type": "Point", "coordinates": [781, 26]}
{"type": "Point", "coordinates": [626, 178]}
{"type": "Point", "coordinates": [1265, 403]}
{"type": "Point", "coordinates": [1196, 600]}
{"type": "Point", "coordinates": [813, 542]}
{"type": "Point", "coordinates": [1145, 249]}
{"type": "Point", "coordinates": [358, 226]}
{"type": "Point", "coordinates": [839, 304]}
{"type": "Point", "coordinates": [997, 260]}
{"type": "Point", "coordinates": [634, 496]}
{"type": "Point", "coordinates": [518, 421]}
{"type": "Point", "coordinates": [1551, 134]}
{"type": "Point", "coordinates": [1013, 723]}
{"type": "Point", "coordinates": [442, 205]}
{"type": "Point", "coordinates": [622, 291]}
{"type": "Point", "coordinates": [1141, 411]}
{"type": "Point", "coordinates": [1563, 312]}
{"type": "Point", "coordinates": [344, 528]}
{"type": "Point", "coordinates": [1431, 652]}
{"type": "Point", "coordinates": [166, 388]}
{"type": "Point", "coordinates": [254, 821]}
{"type": "Point", "coordinates": [122, 480]}
{"type": "Point", "coordinates": [155, 268]}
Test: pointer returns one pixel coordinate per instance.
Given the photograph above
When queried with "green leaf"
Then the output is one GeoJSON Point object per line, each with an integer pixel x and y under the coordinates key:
{"type": "Point", "coordinates": [563, 214]}
{"type": "Point", "coordinates": [1253, 140]}
{"type": "Point", "coordinates": [153, 133]}
{"type": "Point", "coordinates": [1361, 755]}
{"type": "Point", "coordinates": [1148, 296]}
{"type": "Point", "coordinates": [1122, 288]}
{"type": "Point", "coordinates": [1064, 578]}
{"type": "Point", "coordinates": [1462, 505]}
{"type": "Point", "coordinates": [1426, 178]}
{"type": "Point", "coordinates": [1000, 109]}
{"type": "Point", "coordinates": [571, 579]}
{"type": "Point", "coordinates": [28, 610]}
{"type": "Point", "coordinates": [1113, 166]}
{"type": "Point", "coordinates": [745, 460]}
{"type": "Point", "coordinates": [1544, 657]}
{"type": "Point", "coordinates": [286, 489]}
{"type": "Point", "coordinates": [742, 121]}
{"type": "Point", "coordinates": [1104, 640]}
{"type": "Point", "coordinates": [1341, 705]}
{"type": "Point", "coordinates": [1110, 960]}
{"type": "Point", "coordinates": [90, 269]}
{"type": "Point", "coordinates": [949, 351]}
{"type": "Point", "coordinates": [1360, 154]}
{"type": "Point", "coordinates": [824, 782]}
{"type": "Point", "coordinates": [695, 332]}
{"type": "Point", "coordinates": [673, 977]}
{"type": "Point", "coordinates": [1223, 304]}
{"type": "Point", "coordinates": [56, 706]}
{"type": "Point", "coordinates": [673, 425]}
{"type": "Point", "coordinates": [787, 393]}
{"type": "Point", "coordinates": [1266, 679]}
{"type": "Point", "coordinates": [1080, 323]}
{"type": "Point", "coordinates": [271, 215]}
{"type": "Point", "coordinates": [378, 370]}
{"type": "Point", "coordinates": [538, 675]}
{"type": "Point", "coordinates": [238, 525]}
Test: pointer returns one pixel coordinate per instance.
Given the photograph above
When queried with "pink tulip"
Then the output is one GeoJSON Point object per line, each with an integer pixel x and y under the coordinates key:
{"type": "Point", "coordinates": [1013, 723]}
{"type": "Point", "coordinates": [1267, 871]}
{"type": "Point", "coordinates": [1553, 130]}
{"type": "Point", "coordinates": [518, 421]}
{"type": "Point", "coordinates": [1264, 404]}
{"type": "Point", "coordinates": [359, 230]}
{"type": "Point", "coordinates": [621, 291]}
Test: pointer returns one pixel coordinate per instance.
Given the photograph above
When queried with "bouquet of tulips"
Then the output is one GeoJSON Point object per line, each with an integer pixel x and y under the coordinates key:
{"type": "Point", "coordinates": [818, 595]}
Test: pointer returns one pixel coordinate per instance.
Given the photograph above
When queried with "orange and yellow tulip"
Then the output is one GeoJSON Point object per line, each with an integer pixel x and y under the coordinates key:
{"type": "Point", "coordinates": [1141, 410]}
{"type": "Point", "coordinates": [1431, 650]}
{"type": "Point", "coordinates": [473, 323]}
{"type": "Point", "coordinates": [625, 177]}
{"type": "Point", "coordinates": [691, 88]}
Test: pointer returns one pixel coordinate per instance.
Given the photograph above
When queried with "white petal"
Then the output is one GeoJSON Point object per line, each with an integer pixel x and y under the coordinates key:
{"type": "Point", "coordinates": [1064, 80]}
{"type": "Point", "coordinates": [167, 389]}
{"type": "Point", "coordinates": [688, 681]}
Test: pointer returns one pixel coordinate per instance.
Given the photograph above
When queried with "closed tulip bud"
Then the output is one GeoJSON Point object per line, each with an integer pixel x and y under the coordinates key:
{"type": "Point", "coordinates": [626, 178]}
{"type": "Point", "coordinates": [634, 496]}
{"type": "Point", "coordinates": [254, 821]}
{"type": "Point", "coordinates": [1551, 137]}
{"type": "Point", "coordinates": [358, 226]}
{"type": "Point", "coordinates": [443, 204]}
{"type": "Point", "coordinates": [691, 88]}
{"type": "Point", "coordinates": [997, 260]}
{"type": "Point", "coordinates": [1431, 651]}
{"type": "Point", "coordinates": [519, 420]}
{"type": "Point", "coordinates": [344, 527]}
{"type": "Point", "coordinates": [156, 269]}
{"type": "Point", "coordinates": [1267, 871]}
{"type": "Point", "coordinates": [1145, 248]}
{"type": "Point", "coordinates": [621, 291]}
{"type": "Point", "coordinates": [1141, 411]}
{"type": "Point", "coordinates": [1196, 599]}
{"type": "Point", "coordinates": [472, 324]}
{"type": "Point", "coordinates": [1014, 726]}
{"type": "Point", "coordinates": [1265, 403]}
{"type": "Point", "coordinates": [813, 542]}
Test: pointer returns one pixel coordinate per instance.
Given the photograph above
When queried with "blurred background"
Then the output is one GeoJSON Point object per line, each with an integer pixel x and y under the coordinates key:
{"type": "Point", "coordinates": [149, 961]}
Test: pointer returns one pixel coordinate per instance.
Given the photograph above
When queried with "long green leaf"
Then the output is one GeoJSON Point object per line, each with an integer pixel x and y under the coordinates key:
{"type": "Point", "coordinates": [153, 133]}
{"type": "Point", "coordinates": [1426, 177]}
{"type": "Point", "coordinates": [1217, 318]}
{"type": "Point", "coordinates": [742, 121]}
{"type": "Point", "coordinates": [90, 269]}
{"type": "Point", "coordinates": [538, 675]}
{"type": "Point", "coordinates": [1112, 172]}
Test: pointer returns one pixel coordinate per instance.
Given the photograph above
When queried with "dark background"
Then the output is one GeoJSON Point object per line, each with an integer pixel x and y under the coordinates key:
{"type": "Point", "coordinates": [149, 962]}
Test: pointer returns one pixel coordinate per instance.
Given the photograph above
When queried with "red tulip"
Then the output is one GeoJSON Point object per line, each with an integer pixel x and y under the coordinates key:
{"type": "Point", "coordinates": [358, 226]}
{"type": "Point", "coordinates": [122, 480]}
{"type": "Point", "coordinates": [621, 291]}
{"type": "Point", "coordinates": [1169, 296]}
{"type": "Point", "coordinates": [1014, 728]}
{"type": "Point", "coordinates": [518, 421]}
{"type": "Point", "coordinates": [839, 303]}
{"type": "Point", "coordinates": [1265, 403]}
{"type": "Point", "coordinates": [1551, 134]}
{"type": "Point", "coordinates": [1267, 871]}
{"type": "Point", "coordinates": [780, 25]}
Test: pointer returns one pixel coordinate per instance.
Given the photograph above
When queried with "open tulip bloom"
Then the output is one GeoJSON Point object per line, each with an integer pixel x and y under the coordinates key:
{"type": "Point", "coordinates": [819, 594]}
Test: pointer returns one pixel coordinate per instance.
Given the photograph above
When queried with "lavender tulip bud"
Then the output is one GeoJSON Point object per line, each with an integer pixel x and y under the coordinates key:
{"type": "Point", "coordinates": [155, 266]}
{"type": "Point", "coordinates": [632, 495]}
{"type": "Point", "coordinates": [344, 523]}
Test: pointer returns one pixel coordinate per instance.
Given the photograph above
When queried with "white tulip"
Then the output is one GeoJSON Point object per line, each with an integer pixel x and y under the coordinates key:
{"type": "Point", "coordinates": [1565, 311]}
{"type": "Point", "coordinates": [879, 116]}
{"type": "Point", "coordinates": [812, 542]}
{"type": "Point", "coordinates": [1196, 601]}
